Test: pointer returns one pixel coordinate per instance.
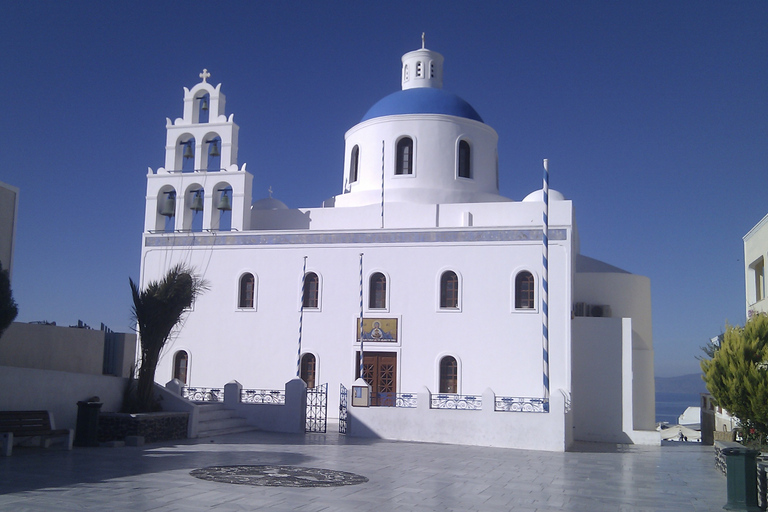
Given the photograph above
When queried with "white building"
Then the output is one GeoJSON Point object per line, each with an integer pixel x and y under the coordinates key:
{"type": "Point", "coordinates": [755, 254]}
{"type": "Point", "coordinates": [448, 274]}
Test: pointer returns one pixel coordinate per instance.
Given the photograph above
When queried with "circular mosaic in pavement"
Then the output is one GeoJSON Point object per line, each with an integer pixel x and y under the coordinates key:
{"type": "Point", "coordinates": [278, 476]}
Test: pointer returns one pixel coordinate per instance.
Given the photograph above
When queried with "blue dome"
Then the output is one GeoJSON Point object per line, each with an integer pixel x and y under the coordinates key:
{"type": "Point", "coordinates": [422, 100]}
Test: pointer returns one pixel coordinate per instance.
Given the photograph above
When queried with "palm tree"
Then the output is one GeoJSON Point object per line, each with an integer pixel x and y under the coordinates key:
{"type": "Point", "coordinates": [158, 309]}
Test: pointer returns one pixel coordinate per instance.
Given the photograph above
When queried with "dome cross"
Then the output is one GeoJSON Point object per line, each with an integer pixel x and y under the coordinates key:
{"type": "Point", "coordinates": [205, 75]}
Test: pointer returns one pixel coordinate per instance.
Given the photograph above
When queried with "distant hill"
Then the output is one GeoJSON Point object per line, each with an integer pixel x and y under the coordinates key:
{"type": "Point", "coordinates": [682, 384]}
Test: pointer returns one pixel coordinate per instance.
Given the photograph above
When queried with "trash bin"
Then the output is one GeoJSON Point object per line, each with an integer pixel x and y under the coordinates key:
{"type": "Point", "coordinates": [87, 431]}
{"type": "Point", "coordinates": [741, 464]}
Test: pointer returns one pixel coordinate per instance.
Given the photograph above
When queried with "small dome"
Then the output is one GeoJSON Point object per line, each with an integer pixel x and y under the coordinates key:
{"type": "Point", "coordinates": [538, 195]}
{"type": "Point", "coordinates": [269, 203]}
{"type": "Point", "coordinates": [422, 101]}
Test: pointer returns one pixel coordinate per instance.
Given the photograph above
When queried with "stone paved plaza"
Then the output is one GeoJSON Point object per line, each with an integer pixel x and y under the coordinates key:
{"type": "Point", "coordinates": [401, 476]}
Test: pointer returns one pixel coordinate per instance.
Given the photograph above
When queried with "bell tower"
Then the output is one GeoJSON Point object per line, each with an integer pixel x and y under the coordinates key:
{"type": "Point", "coordinates": [201, 187]}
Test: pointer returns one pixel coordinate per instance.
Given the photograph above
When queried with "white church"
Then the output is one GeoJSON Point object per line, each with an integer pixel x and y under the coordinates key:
{"type": "Point", "coordinates": [446, 274]}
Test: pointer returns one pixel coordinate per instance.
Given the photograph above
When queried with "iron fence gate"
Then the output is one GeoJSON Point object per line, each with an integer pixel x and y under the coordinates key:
{"type": "Point", "coordinates": [343, 410]}
{"type": "Point", "coordinates": [317, 408]}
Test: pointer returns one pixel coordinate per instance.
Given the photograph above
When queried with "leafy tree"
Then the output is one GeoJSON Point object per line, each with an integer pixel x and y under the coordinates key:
{"type": "Point", "coordinates": [8, 307]}
{"type": "Point", "coordinates": [158, 309]}
{"type": "Point", "coordinates": [737, 373]}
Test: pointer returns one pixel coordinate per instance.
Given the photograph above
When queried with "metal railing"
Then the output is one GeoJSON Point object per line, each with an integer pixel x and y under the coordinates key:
{"type": "Point", "coordinates": [263, 396]}
{"type": "Point", "coordinates": [521, 404]}
{"type": "Point", "coordinates": [203, 394]}
{"type": "Point", "coordinates": [406, 400]}
{"type": "Point", "coordinates": [462, 402]}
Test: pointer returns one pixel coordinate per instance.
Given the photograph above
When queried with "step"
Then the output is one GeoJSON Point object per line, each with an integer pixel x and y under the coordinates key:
{"type": "Point", "coordinates": [221, 423]}
{"type": "Point", "coordinates": [218, 414]}
{"type": "Point", "coordinates": [225, 431]}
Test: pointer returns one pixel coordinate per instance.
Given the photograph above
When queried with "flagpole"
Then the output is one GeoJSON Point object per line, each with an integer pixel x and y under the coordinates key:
{"type": "Point", "coordinates": [361, 315]}
{"type": "Point", "coordinates": [301, 316]}
{"type": "Point", "coordinates": [545, 284]}
{"type": "Point", "coordinates": [382, 184]}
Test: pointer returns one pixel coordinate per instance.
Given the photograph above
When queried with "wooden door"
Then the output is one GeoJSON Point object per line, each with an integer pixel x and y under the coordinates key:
{"type": "Point", "coordinates": [380, 371]}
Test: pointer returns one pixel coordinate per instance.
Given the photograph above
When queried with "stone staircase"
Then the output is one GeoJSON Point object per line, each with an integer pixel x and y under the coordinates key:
{"type": "Point", "coordinates": [215, 420]}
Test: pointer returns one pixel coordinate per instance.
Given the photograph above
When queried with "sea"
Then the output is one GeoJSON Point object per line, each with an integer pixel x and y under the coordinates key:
{"type": "Point", "coordinates": [669, 406]}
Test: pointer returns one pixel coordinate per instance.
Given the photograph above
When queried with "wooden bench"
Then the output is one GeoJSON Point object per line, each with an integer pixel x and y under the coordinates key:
{"type": "Point", "coordinates": [15, 424]}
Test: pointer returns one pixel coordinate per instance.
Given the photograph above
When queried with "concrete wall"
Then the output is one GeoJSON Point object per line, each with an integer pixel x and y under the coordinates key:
{"type": "Point", "coordinates": [9, 205]}
{"type": "Point", "coordinates": [26, 389]}
{"type": "Point", "coordinates": [66, 349]}
{"type": "Point", "coordinates": [486, 427]}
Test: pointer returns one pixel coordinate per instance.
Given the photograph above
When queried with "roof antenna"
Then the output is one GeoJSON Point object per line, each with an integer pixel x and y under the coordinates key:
{"type": "Point", "coordinates": [422, 40]}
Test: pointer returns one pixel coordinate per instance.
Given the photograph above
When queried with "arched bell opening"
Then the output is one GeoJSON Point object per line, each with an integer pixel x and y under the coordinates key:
{"type": "Point", "coordinates": [222, 202]}
{"type": "Point", "coordinates": [194, 208]}
{"type": "Point", "coordinates": [212, 152]}
{"type": "Point", "coordinates": [185, 154]}
{"type": "Point", "coordinates": [203, 107]}
{"type": "Point", "coordinates": [165, 219]}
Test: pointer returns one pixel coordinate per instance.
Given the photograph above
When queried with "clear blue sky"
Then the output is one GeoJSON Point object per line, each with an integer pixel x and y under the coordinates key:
{"type": "Point", "coordinates": [653, 115]}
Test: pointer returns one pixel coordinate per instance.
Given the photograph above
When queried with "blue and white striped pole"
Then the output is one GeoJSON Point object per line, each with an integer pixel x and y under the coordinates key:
{"type": "Point", "coordinates": [361, 315]}
{"type": "Point", "coordinates": [545, 285]}
{"type": "Point", "coordinates": [301, 316]}
{"type": "Point", "coordinates": [382, 184]}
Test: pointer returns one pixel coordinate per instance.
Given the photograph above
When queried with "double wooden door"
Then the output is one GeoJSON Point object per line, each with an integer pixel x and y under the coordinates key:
{"type": "Point", "coordinates": [380, 371]}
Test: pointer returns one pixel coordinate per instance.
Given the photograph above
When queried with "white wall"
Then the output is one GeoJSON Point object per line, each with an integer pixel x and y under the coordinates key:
{"type": "Point", "coordinates": [629, 296]}
{"type": "Point", "coordinates": [486, 427]}
{"type": "Point", "coordinates": [435, 147]}
{"type": "Point", "coordinates": [495, 345]}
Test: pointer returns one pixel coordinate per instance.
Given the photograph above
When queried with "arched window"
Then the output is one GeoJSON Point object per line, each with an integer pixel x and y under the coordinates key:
{"type": "Point", "coordinates": [449, 290]}
{"type": "Point", "coordinates": [180, 365]}
{"type": "Point", "coordinates": [404, 163]}
{"type": "Point", "coordinates": [449, 375]}
{"type": "Point", "coordinates": [308, 364]}
{"type": "Point", "coordinates": [377, 291]}
{"type": "Point", "coordinates": [354, 164]}
{"type": "Point", "coordinates": [465, 170]}
{"type": "Point", "coordinates": [525, 297]}
{"type": "Point", "coordinates": [247, 288]}
{"type": "Point", "coordinates": [311, 297]}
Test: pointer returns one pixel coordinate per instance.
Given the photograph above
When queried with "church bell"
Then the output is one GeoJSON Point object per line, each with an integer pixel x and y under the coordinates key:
{"type": "Point", "coordinates": [169, 206]}
{"type": "Point", "coordinates": [197, 202]}
{"type": "Point", "coordinates": [188, 150]}
{"type": "Point", "coordinates": [225, 204]}
{"type": "Point", "coordinates": [214, 148]}
{"type": "Point", "coordinates": [204, 103]}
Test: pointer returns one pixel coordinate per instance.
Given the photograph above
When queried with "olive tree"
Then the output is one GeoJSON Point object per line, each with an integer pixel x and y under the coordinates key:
{"type": "Point", "coordinates": [736, 374]}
